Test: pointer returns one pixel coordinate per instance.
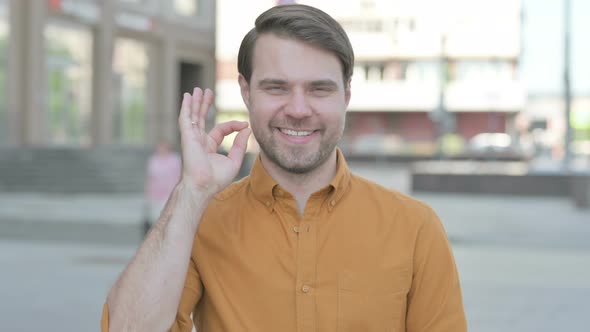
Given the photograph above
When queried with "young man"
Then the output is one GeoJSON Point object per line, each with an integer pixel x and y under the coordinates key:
{"type": "Point", "coordinates": [301, 244]}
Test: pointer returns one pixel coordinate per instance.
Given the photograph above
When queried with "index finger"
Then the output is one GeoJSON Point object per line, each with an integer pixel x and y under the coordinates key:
{"type": "Point", "coordinates": [223, 129]}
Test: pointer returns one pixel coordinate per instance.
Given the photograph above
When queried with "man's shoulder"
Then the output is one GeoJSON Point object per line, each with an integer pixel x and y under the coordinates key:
{"type": "Point", "coordinates": [234, 191]}
{"type": "Point", "coordinates": [225, 207]}
{"type": "Point", "coordinates": [229, 199]}
{"type": "Point", "coordinates": [387, 197]}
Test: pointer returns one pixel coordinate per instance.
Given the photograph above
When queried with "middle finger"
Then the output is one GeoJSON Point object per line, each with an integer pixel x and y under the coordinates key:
{"type": "Point", "coordinates": [205, 106]}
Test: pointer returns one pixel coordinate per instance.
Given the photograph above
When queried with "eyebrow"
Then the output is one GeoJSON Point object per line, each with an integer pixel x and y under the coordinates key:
{"type": "Point", "coordinates": [326, 83]}
{"type": "Point", "coordinates": [271, 81]}
{"type": "Point", "coordinates": [274, 81]}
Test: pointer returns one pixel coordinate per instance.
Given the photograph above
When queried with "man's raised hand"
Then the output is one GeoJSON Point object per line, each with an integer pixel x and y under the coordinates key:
{"type": "Point", "coordinates": [202, 167]}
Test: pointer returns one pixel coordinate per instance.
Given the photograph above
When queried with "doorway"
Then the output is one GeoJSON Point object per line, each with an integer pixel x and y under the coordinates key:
{"type": "Point", "coordinates": [191, 76]}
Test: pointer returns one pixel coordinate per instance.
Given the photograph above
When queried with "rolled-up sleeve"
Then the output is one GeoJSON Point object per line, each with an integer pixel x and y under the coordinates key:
{"type": "Point", "coordinates": [435, 302]}
{"type": "Point", "coordinates": [104, 321]}
{"type": "Point", "coordinates": [191, 295]}
{"type": "Point", "coordinates": [193, 289]}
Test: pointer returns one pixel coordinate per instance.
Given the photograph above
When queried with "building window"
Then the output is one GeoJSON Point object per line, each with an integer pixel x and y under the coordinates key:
{"type": "Point", "coordinates": [69, 75]}
{"type": "Point", "coordinates": [421, 71]}
{"type": "Point", "coordinates": [367, 5]}
{"type": "Point", "coordinates": [483, 70]}
{"type": "Point", "coordinates": [363, 25]}
{"type": "Point", "coordinates": [373, 72]}
{"type": "Point", "coordinates": [130, 70]}
{"type": "Point", "coordinates": [4, 32]}
{"type": "Point", "coordinates": [187, 8]}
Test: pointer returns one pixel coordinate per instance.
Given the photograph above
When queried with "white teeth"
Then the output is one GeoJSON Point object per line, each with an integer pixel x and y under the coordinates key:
{"type": "Point", "coordinates": [295, 132]}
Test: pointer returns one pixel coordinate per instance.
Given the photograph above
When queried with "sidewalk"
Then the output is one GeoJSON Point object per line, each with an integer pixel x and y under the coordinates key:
{"type": "Point", "coordinates": [467, 218]}
{"type": "Point", "coordinates": [483, 219]}
{"type": "Point", "coordinates": [119, 209]}
{"type": "Point", "coordinates": [523, 261]}
{"type": "Point", "coordinates": [114, 219]}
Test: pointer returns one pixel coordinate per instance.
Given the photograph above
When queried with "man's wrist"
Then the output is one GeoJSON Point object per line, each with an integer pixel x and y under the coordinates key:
{"type": "Point", "coordinates": [186, 188]}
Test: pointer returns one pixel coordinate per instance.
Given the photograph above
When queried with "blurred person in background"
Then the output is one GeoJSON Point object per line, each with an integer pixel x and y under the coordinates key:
{"type": "Point", "coordinates": [162, 175]}
{"type": "Point", "coordinates": [301, 244]}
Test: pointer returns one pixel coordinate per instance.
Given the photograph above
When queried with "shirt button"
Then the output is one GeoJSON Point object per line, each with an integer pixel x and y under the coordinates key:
{"type": "Point", "coordinates": [268, 203]}
{"type": "Point", "coordinates": [305, 289]}
{"type": "Point", "coordinates": [296, 229]}
{"type": "Point", "coordinates": [332, 202]}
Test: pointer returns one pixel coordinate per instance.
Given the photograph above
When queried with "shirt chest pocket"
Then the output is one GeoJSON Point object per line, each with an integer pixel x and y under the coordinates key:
{"type": "Point", "coordinates": [373, 301]}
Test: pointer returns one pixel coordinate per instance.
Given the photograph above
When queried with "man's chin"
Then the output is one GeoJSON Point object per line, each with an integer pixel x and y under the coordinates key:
{"type": "Point", "coordinates": [301, 164]}
{"type": "Point", "coordinates": [298, 168]}
{"type": "Point", "coordinates": [296, 159]}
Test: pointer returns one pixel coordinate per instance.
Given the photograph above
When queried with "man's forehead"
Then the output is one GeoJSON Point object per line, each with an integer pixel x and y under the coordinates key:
{"type": "Point", "coordinates": [285, 62]}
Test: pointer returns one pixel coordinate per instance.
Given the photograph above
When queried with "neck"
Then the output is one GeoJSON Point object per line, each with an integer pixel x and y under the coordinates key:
{"type": "Point", "coordinates": [301, 186]}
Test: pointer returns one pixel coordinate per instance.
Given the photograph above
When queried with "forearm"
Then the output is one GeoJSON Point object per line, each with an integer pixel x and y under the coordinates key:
{"type": "Point", "coordinates": [147, 294]}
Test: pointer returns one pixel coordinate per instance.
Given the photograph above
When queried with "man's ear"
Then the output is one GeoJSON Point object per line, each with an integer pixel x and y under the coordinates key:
{"type": "Point", "coordinates": [244, 90]}
{"type": "Point", "coordinates": [347, 92]}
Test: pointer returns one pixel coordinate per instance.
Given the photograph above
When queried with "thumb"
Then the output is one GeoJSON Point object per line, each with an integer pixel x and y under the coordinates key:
{"type": "Point", "coordinates": [238, 149]}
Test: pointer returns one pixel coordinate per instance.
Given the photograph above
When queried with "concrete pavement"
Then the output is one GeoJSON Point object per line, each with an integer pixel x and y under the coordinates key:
{"type": "Point", "coordinates": [524, 262]}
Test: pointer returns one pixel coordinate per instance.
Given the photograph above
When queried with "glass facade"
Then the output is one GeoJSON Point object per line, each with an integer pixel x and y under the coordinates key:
{"type": "Point", "coordinates": [97, 91]}
{"type": "Point", "coordinates": [130, 71]}
{"type": "Point", "coordinates": [4, 32]}
{"type": "Point", "coordinates": [69, 83]}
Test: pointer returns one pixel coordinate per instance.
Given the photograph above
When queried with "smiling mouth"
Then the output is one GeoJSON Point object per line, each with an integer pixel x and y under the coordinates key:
{"type": "Point", "coordinates": [295, 133]}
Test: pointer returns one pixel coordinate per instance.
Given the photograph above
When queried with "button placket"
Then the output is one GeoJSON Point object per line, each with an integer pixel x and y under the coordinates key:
{"type": "Point", "coordinates": [331, 204]}
{"type": "Point", "coordinates": [306, 289]}
{"type": "Point", "coordinates": [306, 263]}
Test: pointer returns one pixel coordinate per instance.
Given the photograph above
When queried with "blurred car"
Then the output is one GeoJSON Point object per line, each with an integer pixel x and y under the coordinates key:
{"type": "Point", "coordinates": [498, 146]}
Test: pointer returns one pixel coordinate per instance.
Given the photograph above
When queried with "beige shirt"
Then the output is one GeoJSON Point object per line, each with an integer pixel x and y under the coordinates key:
{"type": "Point", "coordinates": [360, 258]}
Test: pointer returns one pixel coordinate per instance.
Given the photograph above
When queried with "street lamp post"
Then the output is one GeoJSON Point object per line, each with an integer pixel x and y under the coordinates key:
{"type": "Point", "coordinates": [441, 116]}
{"type": "Point", "coordinates": [566, 85]}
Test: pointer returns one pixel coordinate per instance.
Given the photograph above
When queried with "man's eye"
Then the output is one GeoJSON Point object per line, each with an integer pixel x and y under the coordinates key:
{"type": "Point", "coordinates": [322, 90]}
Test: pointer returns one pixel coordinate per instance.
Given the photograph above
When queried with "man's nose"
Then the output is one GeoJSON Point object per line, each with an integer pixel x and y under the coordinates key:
{"type": "Point", "coordinates": [298, 105]}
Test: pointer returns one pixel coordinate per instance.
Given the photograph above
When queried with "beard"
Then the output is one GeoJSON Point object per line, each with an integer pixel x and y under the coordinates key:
{"type": "Point", "coordinates": [297, 159]}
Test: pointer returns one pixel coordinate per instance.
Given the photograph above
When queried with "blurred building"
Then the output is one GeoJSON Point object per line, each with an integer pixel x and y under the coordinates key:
{"type": "Point", "coordinates": [424, 69]}
{"type": "Point", "coordinates": [83, 73]}
{"type": "Point", "coordinates": [88, 86]}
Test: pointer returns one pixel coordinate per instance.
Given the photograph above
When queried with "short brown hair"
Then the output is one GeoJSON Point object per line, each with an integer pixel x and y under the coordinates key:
{"type": "Point", "coordinates": [303, 23]}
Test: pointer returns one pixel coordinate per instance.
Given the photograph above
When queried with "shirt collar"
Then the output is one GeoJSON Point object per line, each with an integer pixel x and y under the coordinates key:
{"type": "Point", "coordinates": [341, 182]}
{"type": "Point", "coordinates": [263, 185]}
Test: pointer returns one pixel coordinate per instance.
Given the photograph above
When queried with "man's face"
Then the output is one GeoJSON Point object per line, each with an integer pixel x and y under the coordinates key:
{"type": "Point", "coordinates": [297, 102]}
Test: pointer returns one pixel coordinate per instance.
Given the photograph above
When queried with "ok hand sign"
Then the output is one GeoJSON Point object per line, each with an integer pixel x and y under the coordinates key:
{"type": "Point", "coordinates": [202, 167]}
